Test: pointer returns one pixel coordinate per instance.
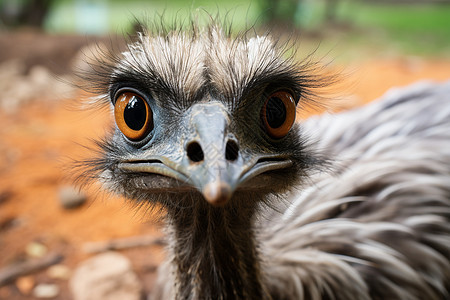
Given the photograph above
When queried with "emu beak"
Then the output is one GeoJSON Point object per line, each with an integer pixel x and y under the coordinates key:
{"type": "Point", "coordinates": [218, 192]}
{"type": "Point", "coordinates": [213, 162]}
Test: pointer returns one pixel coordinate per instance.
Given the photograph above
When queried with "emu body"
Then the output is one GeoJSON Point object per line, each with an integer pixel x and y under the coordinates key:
{"type": "Point", "coordinates": [352, 206]}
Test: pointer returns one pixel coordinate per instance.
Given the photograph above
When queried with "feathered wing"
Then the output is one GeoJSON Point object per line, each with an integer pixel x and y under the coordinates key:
{"type": "Point", "coordinates": [378, 225]}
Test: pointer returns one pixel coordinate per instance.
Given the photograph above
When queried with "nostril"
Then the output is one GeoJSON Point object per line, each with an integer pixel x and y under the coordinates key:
{"type": "Point", "coordinates": [195, 152]}
{"type": "Point", "coordinates": [231, 150]}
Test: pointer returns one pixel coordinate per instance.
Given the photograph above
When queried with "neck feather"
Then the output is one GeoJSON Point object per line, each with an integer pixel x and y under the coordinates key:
{"type": "Point", "coordinates": [214, 250]}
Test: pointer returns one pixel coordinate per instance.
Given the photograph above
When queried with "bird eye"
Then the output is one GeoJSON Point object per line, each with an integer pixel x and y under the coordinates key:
{"type": "Point", "coordinates": [278, 114]}
{"type": "Point", "coordinates": [133, 116]}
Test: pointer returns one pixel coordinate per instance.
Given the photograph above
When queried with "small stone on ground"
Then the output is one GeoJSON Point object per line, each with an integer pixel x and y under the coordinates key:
{"type": "Point", "coordinates": [25, 284]}
{"type": "Point", "coordinates": [106, 276]}
{"type": "Point", "coordinates": [71, 197]}
{"type": "Point", "coordinates": [46, 291]}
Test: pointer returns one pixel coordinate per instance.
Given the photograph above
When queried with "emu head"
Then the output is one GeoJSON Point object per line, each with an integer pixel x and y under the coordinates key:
{"type": "Point", "coordinates": [200, 114]}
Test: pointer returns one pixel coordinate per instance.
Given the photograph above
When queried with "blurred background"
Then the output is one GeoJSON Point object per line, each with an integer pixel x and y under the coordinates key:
{"type": "Point", "coordinates": [48, 227]}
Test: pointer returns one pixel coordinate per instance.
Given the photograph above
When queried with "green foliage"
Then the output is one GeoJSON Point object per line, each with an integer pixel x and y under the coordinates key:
{"type": "Point", "coordinates": [418, 28]}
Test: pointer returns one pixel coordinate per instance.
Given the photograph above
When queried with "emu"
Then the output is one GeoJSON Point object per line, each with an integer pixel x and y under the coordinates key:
{"type": "Point", "coordinates": [258, 205]}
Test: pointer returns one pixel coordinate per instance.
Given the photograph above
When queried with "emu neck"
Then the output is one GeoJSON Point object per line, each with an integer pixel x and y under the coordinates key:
{"type": "Point", "coordinates": [214, 252]}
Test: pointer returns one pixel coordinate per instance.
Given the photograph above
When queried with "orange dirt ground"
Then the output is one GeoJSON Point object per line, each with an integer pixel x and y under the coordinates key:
{"type": "Point", "coordinates": [38, 142]}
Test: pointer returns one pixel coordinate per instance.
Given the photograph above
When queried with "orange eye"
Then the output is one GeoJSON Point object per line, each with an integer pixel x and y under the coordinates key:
{"type": "Point", "coordinates": [278, 114]}
{"type": "Point", "coordinates": [133, 116]}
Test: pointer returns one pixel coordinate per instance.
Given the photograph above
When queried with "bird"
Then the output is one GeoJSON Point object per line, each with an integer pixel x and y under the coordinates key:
{"type": "Point", "coordinates": [258, 204]}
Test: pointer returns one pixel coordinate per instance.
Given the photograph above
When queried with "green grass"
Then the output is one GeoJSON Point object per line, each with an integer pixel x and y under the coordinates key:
{"type": "Point", "coordinates": [416, 29]}
{"type": "Point", "coordinates": [402, 18]}
{"type": "Point", "coordinates": [410, 29]}
{"type": "Point", "coordinates": [117, 16]}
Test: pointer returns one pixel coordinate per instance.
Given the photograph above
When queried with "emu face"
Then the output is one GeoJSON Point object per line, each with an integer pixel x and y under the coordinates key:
{"type": "Point", "coordinates": [205, 113]}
